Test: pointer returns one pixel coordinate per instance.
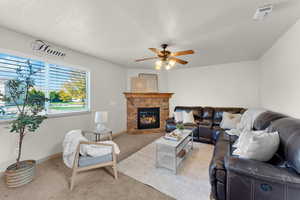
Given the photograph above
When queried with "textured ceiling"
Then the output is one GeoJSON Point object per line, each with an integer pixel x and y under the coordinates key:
{"type": "Point", "coordinates": [120, 31]}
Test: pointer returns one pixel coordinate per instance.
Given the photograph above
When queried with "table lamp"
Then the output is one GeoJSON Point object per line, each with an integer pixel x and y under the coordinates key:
{"type": "Point", "coordinates": [100, 120]}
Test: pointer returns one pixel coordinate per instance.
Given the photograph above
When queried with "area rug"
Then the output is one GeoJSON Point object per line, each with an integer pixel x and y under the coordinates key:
{"type": "Point", "coordinates": [190, 183]}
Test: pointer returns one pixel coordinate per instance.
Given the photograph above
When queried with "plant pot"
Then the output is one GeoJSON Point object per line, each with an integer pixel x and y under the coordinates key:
{"type": "Point", "coordinates": [24, 174]}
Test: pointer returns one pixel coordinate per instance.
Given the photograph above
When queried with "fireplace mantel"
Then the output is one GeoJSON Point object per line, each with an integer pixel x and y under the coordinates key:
{"type": "Point", "coordinates": [146, 100]}
{"type": "Point", "coordinates": [147, 95]}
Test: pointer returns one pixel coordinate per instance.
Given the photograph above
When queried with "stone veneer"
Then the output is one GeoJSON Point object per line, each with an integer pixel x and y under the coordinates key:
{"type": "Point", "coordinates": [146, 100]}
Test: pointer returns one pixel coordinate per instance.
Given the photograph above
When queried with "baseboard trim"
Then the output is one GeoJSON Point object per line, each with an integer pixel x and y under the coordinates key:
{"type": "Point", "coordinates": [119, 133]}
{"type": "Point", "coordinates": [53, 156]}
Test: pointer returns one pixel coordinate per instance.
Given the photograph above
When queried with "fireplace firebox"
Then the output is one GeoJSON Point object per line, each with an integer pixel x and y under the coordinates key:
{"type": "Point", "coordinates": [148, 118]}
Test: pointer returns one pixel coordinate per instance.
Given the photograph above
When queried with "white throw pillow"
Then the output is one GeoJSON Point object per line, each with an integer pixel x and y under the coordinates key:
{"type": "Point", "coordinates": [243, 140]}
{"type": "Point", "coordinates": [230, 121]}
{"type": "Point", "coordinates": [178, 116]}
{"type": "Point", "coordinates": [259, 146]}
{"type": "Point", "coordinates": [188, 117]}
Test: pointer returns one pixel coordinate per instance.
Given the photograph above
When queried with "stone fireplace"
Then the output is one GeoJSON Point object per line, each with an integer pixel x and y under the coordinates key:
{"type": "Point", "coordinates": [147, 112]}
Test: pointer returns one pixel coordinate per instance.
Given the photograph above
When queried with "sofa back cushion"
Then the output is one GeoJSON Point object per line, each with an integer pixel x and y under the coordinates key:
{"type": "Point", "coordinates": [264, 120]}
{"type": "Point", "coordinates": [218, 113]}
{"type": "Point", "coordinates": [208, 113]}
{"type": "Point", "coordinates": [289, 133]}
{"type": "Point", "coordinates": [197, 111]}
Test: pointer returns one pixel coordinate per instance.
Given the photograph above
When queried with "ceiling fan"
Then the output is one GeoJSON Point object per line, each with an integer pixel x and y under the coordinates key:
{"type": "Point", "coordinates": [166, 58]}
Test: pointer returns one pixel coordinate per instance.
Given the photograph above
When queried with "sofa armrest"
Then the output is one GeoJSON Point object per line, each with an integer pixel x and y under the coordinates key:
{"type": "Point", "coordinates": [261, 170]}
{"type": "Point", "coordinates": [170, 120]}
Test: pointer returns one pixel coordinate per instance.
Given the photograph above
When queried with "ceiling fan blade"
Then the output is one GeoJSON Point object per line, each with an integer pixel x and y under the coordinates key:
{"type": "Point", "coordinates": [179, 60]}
{"type": "Point", "coordinates": [180, 53]}
{"type": "Point", "coordinates": [155, 50]}
{"type": "Point", "coordinates": [143, 59]}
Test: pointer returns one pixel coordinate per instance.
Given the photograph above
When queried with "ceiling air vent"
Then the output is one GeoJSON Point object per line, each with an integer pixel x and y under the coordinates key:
{"type": "Point", "coordinates": [263, 12]}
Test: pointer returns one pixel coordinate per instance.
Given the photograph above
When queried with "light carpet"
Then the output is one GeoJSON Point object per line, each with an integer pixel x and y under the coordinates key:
{"type": "Point", "coordinates": [191, 181]}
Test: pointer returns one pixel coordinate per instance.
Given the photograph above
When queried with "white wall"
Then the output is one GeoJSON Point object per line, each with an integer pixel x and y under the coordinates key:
{"type": "Point", "coordinates": [162, 78]}
{"type": "Point", "coordinates": [271, 82]}
{"type": "Point", "coordinates": [108, 82]}
{"type": "Point", "coordinates": [234, 84]}
{"type": "Point", "coordinates": [280, 72]}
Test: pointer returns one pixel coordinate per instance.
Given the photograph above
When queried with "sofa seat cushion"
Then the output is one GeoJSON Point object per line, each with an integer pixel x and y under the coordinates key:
{"type": "Point", "coordinates": [205, 123]}
{"type": "Point", "coordinates": [197, 121]}
{"type": "Point", "coordinates": [85, 161]}
{"type": "Point", "coordinates": [190, 125]}
{"type": "Point", "coordinates": [216, 131]}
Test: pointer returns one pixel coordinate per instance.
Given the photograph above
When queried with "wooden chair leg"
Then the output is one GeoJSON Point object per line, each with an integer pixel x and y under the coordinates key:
{"type": "Point", "coordinates": [115, 170]}
{"type": "Point", "coordinates": [73, 179]}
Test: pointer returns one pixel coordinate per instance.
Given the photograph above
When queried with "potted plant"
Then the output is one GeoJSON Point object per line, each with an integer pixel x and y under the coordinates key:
{"type": "Point", "coordinates": [29, 103]}
{"type": "Point", "coordinates": [180, 127]}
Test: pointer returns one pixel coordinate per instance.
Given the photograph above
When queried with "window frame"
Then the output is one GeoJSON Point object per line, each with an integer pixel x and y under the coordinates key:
{"type": "Point", "coordinates": [47, 60]}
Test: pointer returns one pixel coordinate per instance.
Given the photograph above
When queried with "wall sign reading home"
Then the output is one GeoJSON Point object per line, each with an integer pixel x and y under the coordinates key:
{"type": "Point", "coordinates": [42, 47]}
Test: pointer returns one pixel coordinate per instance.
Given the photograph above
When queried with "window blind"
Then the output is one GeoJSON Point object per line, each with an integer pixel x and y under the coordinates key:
{"type": "Point", "coordinates": [66, 86]}
{"type": "Point", "coordinates": [60, 76]}
{"type": "Point", "coordinates": [9, 65]}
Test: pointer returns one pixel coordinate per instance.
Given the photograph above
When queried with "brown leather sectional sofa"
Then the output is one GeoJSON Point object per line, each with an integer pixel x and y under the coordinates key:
{"type": "Point", "coordinates": [207, 121]}
{"type": "Point", "coordinates": [233, 178]}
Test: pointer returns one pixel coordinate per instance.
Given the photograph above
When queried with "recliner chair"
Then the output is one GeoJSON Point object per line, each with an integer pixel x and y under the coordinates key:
{"type": "Point", "coordinates": [233, 178]}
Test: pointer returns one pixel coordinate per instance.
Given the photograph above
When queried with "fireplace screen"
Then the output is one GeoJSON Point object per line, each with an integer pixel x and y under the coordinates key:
{"type": "Point", "coordinates": [148, 118]}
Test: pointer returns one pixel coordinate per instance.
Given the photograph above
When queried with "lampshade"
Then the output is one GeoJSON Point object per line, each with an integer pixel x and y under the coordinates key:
{"type": "Point", "coordinates": [101, 117]}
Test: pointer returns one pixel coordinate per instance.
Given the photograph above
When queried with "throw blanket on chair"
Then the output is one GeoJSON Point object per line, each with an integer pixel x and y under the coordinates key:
{"type": "Point", "coordinates": [70, 144]}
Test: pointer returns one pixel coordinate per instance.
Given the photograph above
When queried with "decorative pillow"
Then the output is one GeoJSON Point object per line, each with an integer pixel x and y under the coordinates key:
{"type": "Point", "coordinates": [244, 138]}
{"type": "Point", "coordinates": [230, 121]}
{"type": "Point", "coordinates": [188, 117]}
{"type": "Point", "coordinates": [261, 146]}
{"type": "Point", "coordinates": [178, 116]}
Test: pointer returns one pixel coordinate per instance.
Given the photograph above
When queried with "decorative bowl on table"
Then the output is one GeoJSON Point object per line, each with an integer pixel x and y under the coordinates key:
{"type": "Point", "coordinates": [175, 136]}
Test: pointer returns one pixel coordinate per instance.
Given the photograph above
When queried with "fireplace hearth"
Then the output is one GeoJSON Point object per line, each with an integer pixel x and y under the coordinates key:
{"type": "Point", "coordinates": [148, 118]}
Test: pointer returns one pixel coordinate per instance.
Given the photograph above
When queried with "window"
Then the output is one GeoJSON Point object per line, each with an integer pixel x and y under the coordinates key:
{"type": "Point", "coordinates": [65, 87]}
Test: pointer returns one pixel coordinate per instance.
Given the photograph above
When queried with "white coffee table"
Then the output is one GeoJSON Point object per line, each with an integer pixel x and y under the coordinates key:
{"type": "Point", "coordinates": [169, 153]}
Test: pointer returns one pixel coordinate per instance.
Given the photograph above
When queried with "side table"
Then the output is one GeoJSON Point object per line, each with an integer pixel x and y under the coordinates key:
{"type": "Point", "coordinates": [98, 135]}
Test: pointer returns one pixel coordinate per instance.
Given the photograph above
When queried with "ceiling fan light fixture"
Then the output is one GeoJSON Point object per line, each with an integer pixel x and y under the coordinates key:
{"type": "Point", "coordinates": [172, 63]}
{"type": "Point", "coordinates": [167, 59]}
{"type": "Point", "coordinates": [158, 63]}
{"type": "Point", "coordinates": [168, 67]}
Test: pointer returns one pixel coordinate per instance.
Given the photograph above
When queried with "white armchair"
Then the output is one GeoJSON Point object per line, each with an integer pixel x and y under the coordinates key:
{"type": "Point", "coordinates": [84, 163]}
